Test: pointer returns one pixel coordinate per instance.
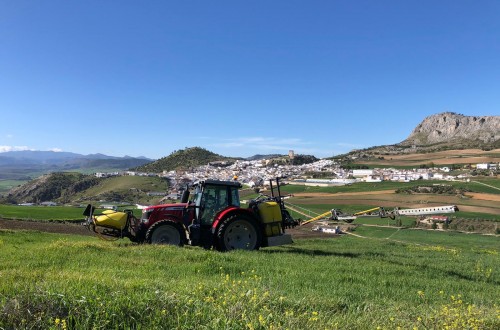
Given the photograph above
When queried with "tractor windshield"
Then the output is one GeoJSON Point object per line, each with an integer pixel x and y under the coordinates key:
{"type": "Point", "coordinates": [216, 198]}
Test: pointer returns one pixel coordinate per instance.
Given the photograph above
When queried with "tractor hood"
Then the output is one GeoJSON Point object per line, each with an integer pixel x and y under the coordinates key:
{"type": "Point", "coordinates": [172, 206]}
{"type": "Point", "coordinates": [154, 213]}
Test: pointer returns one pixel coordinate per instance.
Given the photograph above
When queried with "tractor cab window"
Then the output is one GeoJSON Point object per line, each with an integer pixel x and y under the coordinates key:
{"type": "Point", "coordinates": [235, 197]}
{"type": "Point", "coordinates": [196, 198]}
{"type": "Point", "coordinates": [213, 200]}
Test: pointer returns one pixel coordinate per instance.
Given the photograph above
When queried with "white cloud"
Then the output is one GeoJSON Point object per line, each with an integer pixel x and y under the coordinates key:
{"type": "Point", "coordinates": [259, 144]}
{"type": "Point", "coordinates": [229, 145]}
{"type": "Point", "coordinates": [242, 146]}
{"type": "Point", "coordinates": [349, 145]}
{"type": "Point", "coordinates": [14, 148]}
{"type": "Point", "coordinates": [24, 148]}
{"type": "Point", "coordinates": [265, 143]}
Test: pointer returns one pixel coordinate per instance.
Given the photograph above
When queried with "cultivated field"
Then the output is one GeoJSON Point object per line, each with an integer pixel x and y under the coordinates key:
{"type": "Point", "coordinates": [449, 157]}
{"type": "Point", "coordinates": [483, 202]}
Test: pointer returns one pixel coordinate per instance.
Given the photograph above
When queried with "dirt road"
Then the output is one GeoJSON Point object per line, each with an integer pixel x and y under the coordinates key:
{"type": "Point", "coordinates": [364, 193]}
{"type": "Point", "coordinates": [51, 227]}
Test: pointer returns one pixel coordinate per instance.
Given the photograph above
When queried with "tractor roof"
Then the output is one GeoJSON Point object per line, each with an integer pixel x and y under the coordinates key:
{"type": "Point", "coordinates": [218, 183]}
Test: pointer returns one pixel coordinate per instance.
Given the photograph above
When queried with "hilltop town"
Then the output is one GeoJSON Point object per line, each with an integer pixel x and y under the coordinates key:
{"type": "Point", "coordinates": [258, 172]}
{"type": "Point", "coordinates": [166, 178]}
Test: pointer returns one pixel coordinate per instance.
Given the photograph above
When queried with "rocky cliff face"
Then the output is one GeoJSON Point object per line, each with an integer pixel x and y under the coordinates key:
{"type": "Point", "coordinates": [449, 127]}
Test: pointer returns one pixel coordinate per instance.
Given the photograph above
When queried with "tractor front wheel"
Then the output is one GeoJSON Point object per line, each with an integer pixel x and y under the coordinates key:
{"type": "Point", "coordinates": [165, 232]}
{"type": "Point", "coordinates": [238, 232]}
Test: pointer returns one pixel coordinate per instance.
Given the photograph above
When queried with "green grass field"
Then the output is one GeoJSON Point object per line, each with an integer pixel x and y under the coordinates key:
{"type": "Point", "coordinates": [489, 181]}
{"type": "Point", "coordinates": [386, 278]}
{"type": "Point", "coordinates": [40, 212]}
{"type": "Point", "coordinates": [52, 213]}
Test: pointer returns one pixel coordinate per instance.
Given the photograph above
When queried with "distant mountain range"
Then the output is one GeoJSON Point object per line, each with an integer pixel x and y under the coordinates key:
{"type": "Point", "coordinates": [438, 132]}
{"type": "Point", "coordinates": [443, 131]}
{"type": "Point", "coordinates": [28, 164]}
{"type": "Point", "coordinates": [56, 157]}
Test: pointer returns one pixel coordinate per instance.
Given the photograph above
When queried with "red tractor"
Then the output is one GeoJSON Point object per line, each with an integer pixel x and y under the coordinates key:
{"type": "Point", "coordinates": [212, 218]}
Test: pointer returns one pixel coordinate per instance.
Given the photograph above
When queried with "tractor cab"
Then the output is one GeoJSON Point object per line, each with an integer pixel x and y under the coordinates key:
{"type": "Point", "coordinates": [221, 222]}
{"type": "Point", "coordinates": [211, 200]}
{"type": "Point", "coordinates": [211, 197]}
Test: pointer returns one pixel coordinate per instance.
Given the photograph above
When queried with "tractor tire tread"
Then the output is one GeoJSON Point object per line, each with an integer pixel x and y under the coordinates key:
{"type": "Point", "coordinates": [219, 239]}
{"type": "Point", "coordinates": [151, 229]}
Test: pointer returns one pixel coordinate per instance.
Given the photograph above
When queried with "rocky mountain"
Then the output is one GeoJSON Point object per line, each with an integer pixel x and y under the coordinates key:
{"type": "Point", "coordinates": [439, 132]}
{"type": "Point", "coordinates": [451, 129]}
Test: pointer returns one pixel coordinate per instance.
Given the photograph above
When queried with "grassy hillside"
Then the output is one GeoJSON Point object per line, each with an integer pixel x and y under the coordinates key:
{"type": "Point", "coordinates": [383, 278]}
{"type": "Point", "coordinates": [58, 186]}
{"type": "Point", "coordinates": [70, 187]}
{"type": "Point", "coordinates": [132, 189]}
{"type": "Point", "coordinates": [183, 159]}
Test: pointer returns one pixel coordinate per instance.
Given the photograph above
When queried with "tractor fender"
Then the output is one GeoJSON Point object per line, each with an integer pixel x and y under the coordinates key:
{"type": "Point", "coordinates": [168, 217]}
{"type": "Point", "coordinates": [229, 212]}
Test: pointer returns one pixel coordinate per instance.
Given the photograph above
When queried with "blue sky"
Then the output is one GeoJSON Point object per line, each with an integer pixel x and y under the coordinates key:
{"type": "Point", "coordinates": [239, 78]}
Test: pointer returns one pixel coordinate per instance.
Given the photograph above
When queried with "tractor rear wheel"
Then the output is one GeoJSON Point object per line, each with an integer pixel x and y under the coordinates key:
{"type": "Point", "coordinates": [165, 232]}
{"type": "Point", "coordinates": [238, 232]}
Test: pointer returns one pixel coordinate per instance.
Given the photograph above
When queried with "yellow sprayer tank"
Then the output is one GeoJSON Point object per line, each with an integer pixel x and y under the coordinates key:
{"type": "Point", "coordinates": [112, 219]}
{"type": "Point", "coordinates": [270, 213]}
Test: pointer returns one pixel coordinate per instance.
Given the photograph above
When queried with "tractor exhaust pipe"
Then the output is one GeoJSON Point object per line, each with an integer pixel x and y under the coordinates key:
{"type": "Point", "coordinates": [89, 218]}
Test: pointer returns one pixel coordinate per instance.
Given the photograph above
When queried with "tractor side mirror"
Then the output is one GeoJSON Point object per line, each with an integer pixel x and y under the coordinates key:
{"type": "Point", "coordinates": [89, 211]}
{"type": "Point", "coordinates": [185, 196]}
